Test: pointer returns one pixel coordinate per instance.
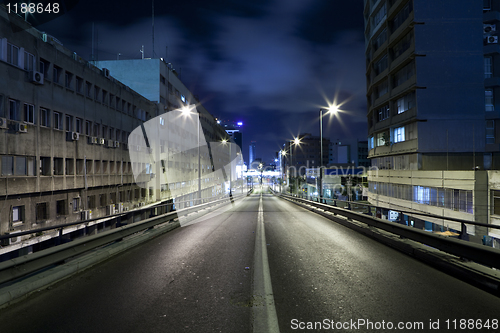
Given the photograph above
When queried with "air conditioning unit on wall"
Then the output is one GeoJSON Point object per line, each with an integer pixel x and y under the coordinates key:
{"type": "Point", "coordinates": [36, 77]}
{"type": "Point", "coordinates": [110, 209]}
{"type": "Point", "coordinates": [21, 128]}
{"type": "Point", "coordinates": [492, 40]}
{"type": "Point", "coordinates": [3, 123]}
{"type": "Point", "coordinates": [73, 136]}
{"type": "Point", "coordinates": [487, 28]}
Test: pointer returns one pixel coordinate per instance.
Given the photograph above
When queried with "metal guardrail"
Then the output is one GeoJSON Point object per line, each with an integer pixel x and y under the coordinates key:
{"type": "Point", "coordinates": [475, 252]}
{"type": "Point", "coordinates": [21, 266]}
{"type": "Point", "coordinates": [112, 216]}
{"type": "Point", "coordinates": [349, 204]}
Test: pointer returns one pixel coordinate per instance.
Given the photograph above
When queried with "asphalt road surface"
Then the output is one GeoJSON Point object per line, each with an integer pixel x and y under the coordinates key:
{"type": "Point", "coordinates": [260, 265]}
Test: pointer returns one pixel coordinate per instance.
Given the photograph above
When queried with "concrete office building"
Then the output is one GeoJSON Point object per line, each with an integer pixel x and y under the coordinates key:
{"type": "Point", "coordinates": [63, 134]}
{"type": "Point", "coordinates": [64, 128]}
{"type": "Point", "coordinates": [431, 120]}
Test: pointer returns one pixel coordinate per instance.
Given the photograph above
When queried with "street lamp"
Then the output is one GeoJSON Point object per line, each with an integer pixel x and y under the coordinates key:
{"type": "Point", "coordinates": [187, 112]}
{"type": "Point", "coordinates": [295, 141]}
{"type": "Point", "coordinates": [332, 109]}
{"type": "Point", "coordinates": [224, 142]}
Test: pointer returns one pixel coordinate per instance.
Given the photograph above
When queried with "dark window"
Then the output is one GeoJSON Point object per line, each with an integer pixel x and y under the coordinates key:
{"type": "Point", "coordinates": [61, 207]}
{"type": "Point", "coordinates": [41, 211]}
{"type": "Point", "coordinates": [44, 117]}
{"type": "Point", "coordinates": [401, 17]}
{"type": "Point", "coordinates": [56, 74]}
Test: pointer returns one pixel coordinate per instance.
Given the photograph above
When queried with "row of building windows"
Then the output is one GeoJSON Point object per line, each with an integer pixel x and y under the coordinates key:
{"type": "Point", "coordinates": [394, 135]}
{"type": "Point", "coordinates": [26, 166]}
{"type": "Point", "coordinates": [383, 63]}
{"type": "Point", "coordinates": [458, 200]}
{"type": "Point", "coordinates": [489, 100]}
{"type": "Point", "coordinates": [400, 105]}
{"type": "Point", "coordinates": [396, 162]}
{"type": "Point", "coordinates": [60, 121]}
{"type": "Point", "coordinates": [401, 16]}
{"type": "Point", "coordinates": [42, 209]}
{"type": "Point", "coordinates": [394, 24]}
{"type": "Point", "coordinates": [102, 200]}
{"type": "Point", "coordinates": [400, 77]}
{"type": "Point", "coordinates": [17, 56]}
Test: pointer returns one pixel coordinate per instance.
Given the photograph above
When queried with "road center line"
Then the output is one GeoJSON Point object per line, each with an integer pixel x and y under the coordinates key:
{"type": "Point", "coordinates": [263, 309]}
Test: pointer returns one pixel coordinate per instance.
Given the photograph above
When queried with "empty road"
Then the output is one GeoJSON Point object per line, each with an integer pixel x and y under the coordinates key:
{"type": "Point", "coordinates": [256, 266]}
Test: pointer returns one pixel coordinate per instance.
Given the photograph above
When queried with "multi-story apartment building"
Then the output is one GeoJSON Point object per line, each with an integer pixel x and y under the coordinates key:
{"type": "Point", "coordinates": [431, 89]}
{"type": "Point", "coordinates": [64, 134]}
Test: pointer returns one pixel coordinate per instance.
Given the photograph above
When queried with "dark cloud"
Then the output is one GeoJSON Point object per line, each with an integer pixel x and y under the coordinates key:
{"type": "Point", "coordinates": [321, 22]}
{"type": "Point", "coordinates": [270, 63]}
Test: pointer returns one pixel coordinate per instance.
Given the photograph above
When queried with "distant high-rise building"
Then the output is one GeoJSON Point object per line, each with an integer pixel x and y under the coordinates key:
{"type": "Point", "coordinates": [433, 120]}
{"type": "Point", "coordinates": [233, 129]}
{"type": "Point", "coordinates": [251, 153]}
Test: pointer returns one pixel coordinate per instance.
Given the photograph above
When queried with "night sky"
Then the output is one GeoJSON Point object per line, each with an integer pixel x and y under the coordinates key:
{"type": "Point", "coordinates": [269, 63]}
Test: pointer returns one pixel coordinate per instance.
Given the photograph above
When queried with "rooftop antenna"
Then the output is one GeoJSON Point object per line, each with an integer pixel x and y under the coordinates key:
{"type": "Point", "coordinates": [153, 26]}
{"type": "Point", "coordinates": [96, 45]}
{"type": "Point", "coordinates": [92, 55]}
{"type": "Point", "coordinates": [142, 51]}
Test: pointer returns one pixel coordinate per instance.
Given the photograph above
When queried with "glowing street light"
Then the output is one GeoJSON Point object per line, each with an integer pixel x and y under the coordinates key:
{"type": "Point", "coordinates": [187, 112]}
{"type": "Point", "coordinates": [296, 142]}
{"type": "Point", "coordinates": [333, 109]}
{"type": "Point", "coordinates": [224, 142]}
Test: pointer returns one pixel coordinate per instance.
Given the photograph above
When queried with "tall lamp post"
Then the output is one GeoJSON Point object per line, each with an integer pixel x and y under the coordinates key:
{"type": "Point", "coordinates": [225, 141]}
{"type": "Point", "coordinates": [331, 109]}
{"type": "Point", "coordinates": [296, 142]}
{"type": "Point", "coordinates": [186, 111]}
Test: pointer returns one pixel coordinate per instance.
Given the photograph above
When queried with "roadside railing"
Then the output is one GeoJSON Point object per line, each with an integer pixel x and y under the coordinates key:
{"type": "Point", "coordinates": [28, 264]}
{"type": "Point", "coordinates": [482, 254]}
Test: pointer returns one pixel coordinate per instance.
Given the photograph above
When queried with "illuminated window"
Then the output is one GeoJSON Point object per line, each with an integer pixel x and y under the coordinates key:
{"type": "Point", "coordinates": [399, 134]}
{"type": "Point", "coordinates": [17, 214]}
{"type": "Point", "coordinates": [489, 100]}
{"type": "Point", "coordinates": [406, 102]}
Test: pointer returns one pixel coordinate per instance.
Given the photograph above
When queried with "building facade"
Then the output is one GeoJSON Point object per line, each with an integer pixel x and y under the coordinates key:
{"type": "Point", "coordinates": [431, 99]}
{"type": "Point", "coordinates": [349, 152]}
{"type": "Point", "coordinates": [64, 133]}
